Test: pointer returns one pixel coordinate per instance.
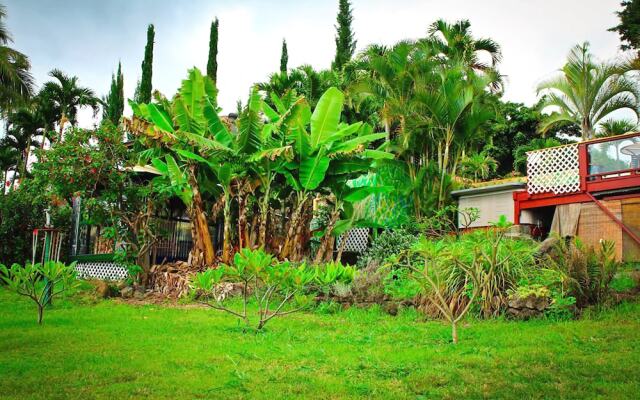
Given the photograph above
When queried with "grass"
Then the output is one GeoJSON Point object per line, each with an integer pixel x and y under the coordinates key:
{"type": "Point", "coordinates": [114, 350]}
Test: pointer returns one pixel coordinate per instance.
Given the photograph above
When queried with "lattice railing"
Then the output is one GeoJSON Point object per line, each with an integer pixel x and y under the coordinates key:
{"type": "Point", "coordinates": [357, 240]}
{"type": "Point", "coordinates": [109, 271]}
{"type": "Point", "coordinates": [553, 170]}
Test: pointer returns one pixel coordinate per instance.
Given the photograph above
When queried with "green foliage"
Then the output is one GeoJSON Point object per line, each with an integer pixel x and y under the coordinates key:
{"type": "Point", "coordinates": [387, 244]}
{"type": "Point", "coordinates": [588, 272]}
{"type": "Point", "coordinates": [345, 42]}
{"type": "Point", "coordinates": [284, 57]}
{"type": "Point", "coordinates": [274, 284]}
{"type": "Point", "coordinates": [21, 211]}
{"type": "Point", "coordinates": [144, 87]}
{"type": "Point", "coordinates": [114, 102]}
{"type": "Point", "coordinates": [39, 282]}
{"type": "Point", "coordinates": [586, 92]}
{"type": "Point", "coordinates": [629, 27]}
{"type": "Point", "coordinates": [212, 61]}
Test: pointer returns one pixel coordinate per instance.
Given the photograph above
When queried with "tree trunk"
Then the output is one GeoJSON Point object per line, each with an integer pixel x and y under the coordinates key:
{"type": "Point", "coordinates": [243, 235]}
{"type": "Point", "coordinates": [327, 239]}
{"type": "Point", "coordinates": [292, 229]}
{"type": "Point", "coordinates": [454, 332]}
{"type": "Point", "coordinates": [202, 252]}
{"type": "Point", "coordinates": [301, 234]}
{"type": "Point", "coordinates": [40, 313]}
{"type": "Point", "coordinates": [226, 247]}
{"type": "Point", "coordinates": [264, 215]}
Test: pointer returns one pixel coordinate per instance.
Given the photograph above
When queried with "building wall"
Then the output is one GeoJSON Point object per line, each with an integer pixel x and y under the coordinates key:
{"type": "Point", "coordinates": [594, 225]}
{"type": "Point", "coordinates": [490, 205]}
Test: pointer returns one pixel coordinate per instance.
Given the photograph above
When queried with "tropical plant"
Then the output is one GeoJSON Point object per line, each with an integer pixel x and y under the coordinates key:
{"type": "Point", "coordinates": [22, 127]}
{"type": "Point", "coordinates": [478, 166]}
{"type": "Point", "coordinates": [587, 92]}
{"type": "Point", "coordinates": [433, 275]}
{"type": "Point", "coordinates": [588, 271]}
{"type": "Point", "coordinates": [185, 137]}
{"type": "Point", "coordinates": [615, 127]}
{"type": "Point", "coordinates": [455, 44]}
{"type": "Point", "coordinates": [274, 284]}
{"type": "Point", "coordinates": [34, 280]}
{"type": "Point", "coordinates": [66, 97]}
{"type": "Point", "coordinates": [16, 82]}
{"type": "Point", "coordinates": [9, 158]}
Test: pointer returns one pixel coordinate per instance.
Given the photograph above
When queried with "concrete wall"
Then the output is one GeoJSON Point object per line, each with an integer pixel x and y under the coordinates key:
{"type": "Point", "coordinates": [490, 205]}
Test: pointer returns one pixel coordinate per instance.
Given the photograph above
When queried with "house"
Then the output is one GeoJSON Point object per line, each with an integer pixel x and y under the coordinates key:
{"type": "Point", "coordinates": [589, 189]}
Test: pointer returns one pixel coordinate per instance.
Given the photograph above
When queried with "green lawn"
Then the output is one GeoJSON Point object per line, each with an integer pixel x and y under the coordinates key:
{"type": "Point", "coordinates": [112, 350]}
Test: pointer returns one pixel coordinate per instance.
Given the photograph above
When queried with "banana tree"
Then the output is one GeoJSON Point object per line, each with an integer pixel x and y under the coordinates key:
{"type": "Point", "coordinates": [189, 134]}
{"type": "Point", "coordinates": [322, 146]}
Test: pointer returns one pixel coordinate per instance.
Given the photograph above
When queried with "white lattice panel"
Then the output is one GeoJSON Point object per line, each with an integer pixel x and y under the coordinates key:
{"type": "Point", "coordinates": [554, 170]}
{"type": "Point", "coordinates": [107, 271]}
{"type": "Point", "coordinates": [357, 240]}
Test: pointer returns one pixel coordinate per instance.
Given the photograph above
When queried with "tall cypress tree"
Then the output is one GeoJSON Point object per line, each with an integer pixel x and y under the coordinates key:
{"type": "Point", "coordinates": [212, 64]}
{"type": "Point", "coordinates": [345, 42]}
{"type": "Point", "coordinates": [284, 57]}
{"type": "Point", "coordinates": [114, 106]}
{"type": "Point", "coordinates": [143, 90]}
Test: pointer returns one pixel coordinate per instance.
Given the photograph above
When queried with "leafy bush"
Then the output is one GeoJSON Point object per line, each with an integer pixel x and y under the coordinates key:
{"type": "Point", "coordinates": [39, 282]}
{"type": "Point", "coordinates": [388, 244]}
{"type": "Point", "coordinates": [588, 272]}
{"type": "Point", "coordinates": [22, 211]}
{"type": "Point", "coordinates": [274, 284]}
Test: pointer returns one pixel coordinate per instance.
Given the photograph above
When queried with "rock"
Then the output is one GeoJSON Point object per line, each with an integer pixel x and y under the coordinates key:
{"type": "Point", "coordinates": [103, 290]}
{"type": "Point", "coordinates": [391, 308]}
{"type": "Point", "coordinates": [527, 307]}
{"type": "Point", "coordinates": [127, 292]}
{"type": "Point", "coordinates": [547, 245]}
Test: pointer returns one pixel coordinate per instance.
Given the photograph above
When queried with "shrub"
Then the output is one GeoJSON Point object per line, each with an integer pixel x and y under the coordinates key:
{"type": "Point", "coordinates": [274, 284]}
{"type": "Point", "coordinates": [388, 244]}
{"type": "Point", "coordinates": [22, 211]}
{"type": "Point", "coordinates": [588, 272]}
{"type": "Point", "coordinates": [39, 282]}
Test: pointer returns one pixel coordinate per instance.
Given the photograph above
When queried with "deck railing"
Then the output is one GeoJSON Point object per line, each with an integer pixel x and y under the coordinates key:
{"type": "Point", "coordinates": [571, 168]}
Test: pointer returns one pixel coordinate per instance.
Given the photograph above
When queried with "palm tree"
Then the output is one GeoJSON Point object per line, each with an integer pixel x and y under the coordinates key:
{"type": "Point", "coordinates": [586, 92]}
{"type": "Point", "coordinates": [479, 165]}
{"type": "Point", "coordinates": [9, 157]}
{"type": "Point", "coordinates": [454, 44]}
{"type": "Point", "coordinates": [16, 82]}
{"type": "Point", "coordinates": [615, 127]}
{"type": "Point", "coordinates": [66, 97]}
{"type": "Point", "coordinates": [23, 125]}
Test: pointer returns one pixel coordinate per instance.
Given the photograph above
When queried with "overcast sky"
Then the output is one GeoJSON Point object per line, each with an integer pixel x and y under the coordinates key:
{"type": "Point", "coordinates": [86, 38]}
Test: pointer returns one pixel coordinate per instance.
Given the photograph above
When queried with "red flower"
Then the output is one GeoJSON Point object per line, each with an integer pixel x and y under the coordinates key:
{"type": "Point", "coordinates": [8, 183]}
{"type": "Point", "coordinates": [93, 170]}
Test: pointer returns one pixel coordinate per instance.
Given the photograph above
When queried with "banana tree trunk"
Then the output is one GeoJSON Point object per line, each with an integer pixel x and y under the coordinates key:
{"type": "Point", "coordinates": [243, 240]}
{"type": "Point", "coordinates": [287, 249]}
{"type": "Point", "coordinates": [302, 232]}
{"type": "Point", "coordinates": [202, 252]}
{"type": "Point", "coordinates": [226, 247]}
{"type": "Point", "coordinates": [325, 251]}
{"type": "Point", "coordinates": [264, 215]}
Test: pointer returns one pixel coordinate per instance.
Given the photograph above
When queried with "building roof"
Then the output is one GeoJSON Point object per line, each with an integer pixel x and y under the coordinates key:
{"type": "Point", "coordinates": [509, 186]}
